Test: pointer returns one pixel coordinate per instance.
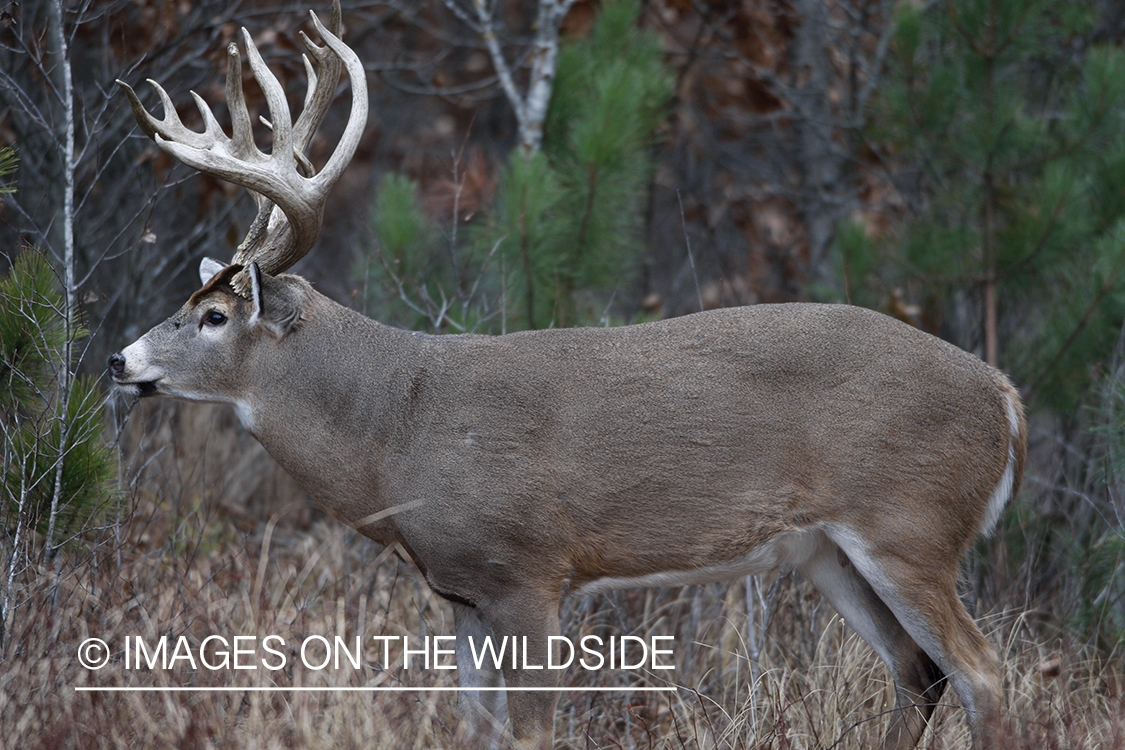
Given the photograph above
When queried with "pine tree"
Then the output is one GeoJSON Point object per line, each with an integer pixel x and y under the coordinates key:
{"type": "Point", "coordinates": [570, 216]}
{"type": "Point", "coordinates": [32, 339]}
{"type": "Point", "coordinates": [564, 229]}
{"type": "Point", "coordinates": [1018, 229]}
{"type": "Point", "coordinates": [8, 161]}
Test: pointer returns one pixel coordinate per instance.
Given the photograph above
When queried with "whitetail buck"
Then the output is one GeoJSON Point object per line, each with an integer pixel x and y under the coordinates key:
{"type": "Point", "coordinates": [514, 470]}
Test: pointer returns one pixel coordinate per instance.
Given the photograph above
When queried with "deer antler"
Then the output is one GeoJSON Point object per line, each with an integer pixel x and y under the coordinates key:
{"type": "Point", "coordinates": [289, 192]}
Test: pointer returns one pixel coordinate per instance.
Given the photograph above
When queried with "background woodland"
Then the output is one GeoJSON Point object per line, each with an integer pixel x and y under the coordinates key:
{"type": "Point", "coordinates": [956, 164]}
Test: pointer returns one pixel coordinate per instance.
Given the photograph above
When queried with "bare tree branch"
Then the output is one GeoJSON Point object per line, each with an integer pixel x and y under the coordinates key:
{"type": "Point", "coordinates": [530, 106]}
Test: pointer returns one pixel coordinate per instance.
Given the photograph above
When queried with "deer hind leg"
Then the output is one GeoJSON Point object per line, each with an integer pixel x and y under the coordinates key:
{"type": "Point", "coordinates": [922, 594]}
{"type": "Point", "coordinates": [954, 641]}
{"type": "Point", "coordinates": [918, 680]}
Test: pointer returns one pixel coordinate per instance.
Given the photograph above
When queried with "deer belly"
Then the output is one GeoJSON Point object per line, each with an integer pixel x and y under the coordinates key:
{"type": "Point", "coordinates": [786, 550]}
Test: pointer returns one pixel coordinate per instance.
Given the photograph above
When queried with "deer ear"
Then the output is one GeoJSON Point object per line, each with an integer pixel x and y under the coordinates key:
{"type": "Point", "coordinates": [208, 267]}
{"type": "Point", "coordinates": [277, 306]}
{"type": "Point", "coordinates": [255, 274]}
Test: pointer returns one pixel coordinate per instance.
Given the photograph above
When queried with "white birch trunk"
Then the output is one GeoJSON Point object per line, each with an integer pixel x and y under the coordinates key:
{"type": "Point", "coordinates": [530, 106]}
{"type": "Point", "coordinates": [62, 403]}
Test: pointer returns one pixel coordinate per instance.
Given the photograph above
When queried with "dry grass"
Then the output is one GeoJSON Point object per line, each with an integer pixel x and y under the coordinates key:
{"type": "Point", "coordinates": [210, 551]}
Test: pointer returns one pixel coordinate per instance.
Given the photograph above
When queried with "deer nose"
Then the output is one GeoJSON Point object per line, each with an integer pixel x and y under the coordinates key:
{"type": "Point", "coordinates": [116, 365]}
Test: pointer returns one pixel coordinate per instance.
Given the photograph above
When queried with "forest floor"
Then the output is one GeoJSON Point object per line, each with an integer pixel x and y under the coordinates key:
{"type": "Point", "coordinates": [191, 562]}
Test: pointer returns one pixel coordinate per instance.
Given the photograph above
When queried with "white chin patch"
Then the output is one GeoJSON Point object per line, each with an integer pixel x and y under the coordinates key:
{"type": "Point", "coordinates": [145, 388]}
{"type": "Point", "coordinates": [245, 415]}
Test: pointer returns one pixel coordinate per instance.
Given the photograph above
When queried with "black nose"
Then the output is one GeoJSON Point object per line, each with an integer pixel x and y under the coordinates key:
{"type": "Point", "coordinates": [116, 365]}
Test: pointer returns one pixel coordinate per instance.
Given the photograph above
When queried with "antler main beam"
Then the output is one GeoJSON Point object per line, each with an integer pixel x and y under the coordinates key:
{"type": "Point", "coordinates": [289, 192]}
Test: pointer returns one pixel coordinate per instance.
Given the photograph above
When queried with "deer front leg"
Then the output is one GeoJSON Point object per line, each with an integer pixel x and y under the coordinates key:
{"type": "Point", "coordinates": [482, 711]}
{"type": "Point", "coordinates": [527, 619]}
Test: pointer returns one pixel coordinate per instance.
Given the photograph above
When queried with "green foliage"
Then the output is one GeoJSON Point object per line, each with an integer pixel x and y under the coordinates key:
{"type": "Point", "coordinates": [403, 230]}
{"type": "Point", "coordinates": [406, 246]}
{"type": "Point", "coordinates": [570, 219]}
{"type": "Point", "coordinates": [1012, 113]}
{"type": "Point", "coordinates": [526, 226]}
{"type": "Point", "coordinates": [565, 224]}
{"type": "Point", "coordinates": [860, 263]}
{"type": "Point", "coordinates": [1017, 135]}
{"type": "Point", "coordinates": [32, 333]}
{"type": "Point", "coordinates": [8, 160]}
{"type": "Point", "coordinates": [89, 471]}
{"type": "Point", "coordinates": [41, 428]}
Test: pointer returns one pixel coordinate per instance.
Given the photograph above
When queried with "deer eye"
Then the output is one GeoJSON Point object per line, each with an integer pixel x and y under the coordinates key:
{"type": "Point", "coordinates": [214, 318]}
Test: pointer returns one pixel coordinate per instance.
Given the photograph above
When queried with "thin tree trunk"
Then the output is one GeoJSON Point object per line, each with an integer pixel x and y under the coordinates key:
{"type": "Point", "coordinates": [13, 558]}
{"type": "Point", "coordinates": [530, 107]}
{"type": "Point", "coordinates": [819, 158]}
{"type": "Point", "coordinates": [991, 342]}
{"type": "Point", "coordinates": [544, 60]}
{"type": "Point", "coordinates": [62, 403]}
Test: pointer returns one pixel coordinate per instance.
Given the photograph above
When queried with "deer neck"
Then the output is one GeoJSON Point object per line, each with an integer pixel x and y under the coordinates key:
{"type": "Point", "coordinates": [326, 404]}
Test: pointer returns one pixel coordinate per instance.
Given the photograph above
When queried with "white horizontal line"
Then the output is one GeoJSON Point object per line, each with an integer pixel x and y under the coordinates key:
{"type": "Point", "coordinates": [230, 689]}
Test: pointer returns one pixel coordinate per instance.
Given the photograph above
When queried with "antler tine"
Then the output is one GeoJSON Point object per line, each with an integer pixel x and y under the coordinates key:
{"type": "Point", "coordinates": [289, 194]}
{"type": "Point", "coordinates": [242, 136]}
{"type": "Point", "coordinates": [349, 140]}
{"type": "Point", "coordinates": [318, 95]}
{"type": "Point", "coordinates": [336, 55]}
{"type": "Point", "coordinates": [273, 227]}
{"type": "Point", "coordinates": [322, 86]}
{"type": "Point", "coordinates": [171, 127]}
{"type": "Point", "coordinates": [242, 133]}
{"type": "Point", "coordinates": [278, 107]}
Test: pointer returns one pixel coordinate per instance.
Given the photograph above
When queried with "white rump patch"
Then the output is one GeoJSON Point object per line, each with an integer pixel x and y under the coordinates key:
{"type": "Point", "coordinates": [1003, 491]}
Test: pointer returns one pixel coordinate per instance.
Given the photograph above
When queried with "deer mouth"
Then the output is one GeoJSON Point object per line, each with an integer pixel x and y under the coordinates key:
{"type": "Point", "coordinates": [139, 388]}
